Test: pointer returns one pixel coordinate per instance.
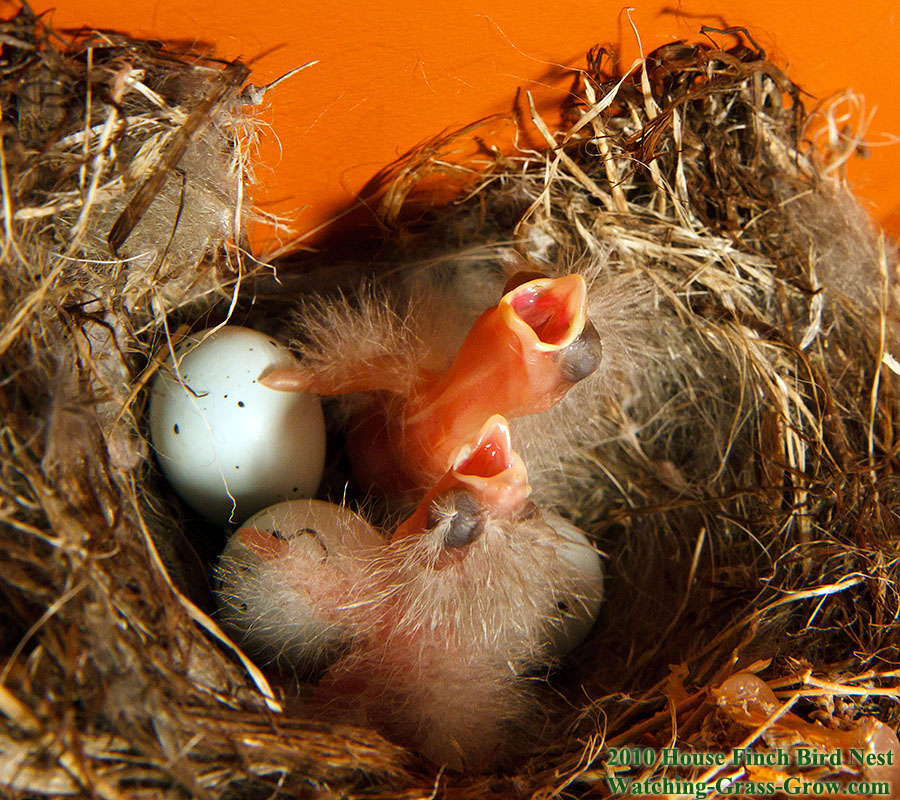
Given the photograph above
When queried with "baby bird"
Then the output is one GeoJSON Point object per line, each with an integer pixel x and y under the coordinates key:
{"type": "Point", "coordinates": [284, 578]}
{"type": "Point", "coordinates": [519, 358]}
{"type": "Point", "coordinates": [462, 603]}
{"type": "Point", "coordinates": [426, 636]}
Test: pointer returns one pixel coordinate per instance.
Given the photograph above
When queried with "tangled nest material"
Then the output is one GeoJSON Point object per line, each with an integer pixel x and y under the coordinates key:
{"type": "Point", "coordinates": [738, 468]}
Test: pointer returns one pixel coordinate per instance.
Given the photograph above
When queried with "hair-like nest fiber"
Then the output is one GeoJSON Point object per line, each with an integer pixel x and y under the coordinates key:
{"type": "Point", "coordinates": [735, 457]}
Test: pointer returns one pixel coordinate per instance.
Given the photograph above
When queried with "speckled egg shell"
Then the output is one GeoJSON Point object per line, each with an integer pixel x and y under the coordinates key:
{"type": "Point", "coordinates": [229, 445]}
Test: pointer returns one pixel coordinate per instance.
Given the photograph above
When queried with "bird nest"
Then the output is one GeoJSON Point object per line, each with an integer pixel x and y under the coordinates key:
{"type": "Point", "coordinates": [734, 457]}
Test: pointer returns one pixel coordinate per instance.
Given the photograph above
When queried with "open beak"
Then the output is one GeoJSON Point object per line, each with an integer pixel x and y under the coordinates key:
{"type": "Point", "coordinates": [546, 313]}
{"type": "Point", "coordinates": [520, 358]}
{"type": "Point", "coordinates": [490, 470]}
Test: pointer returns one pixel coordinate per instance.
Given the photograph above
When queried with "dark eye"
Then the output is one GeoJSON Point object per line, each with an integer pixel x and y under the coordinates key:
{"type": "Point", "coordinates": [285, 536]}
{"type": "Point", "coordinates": [318, 540]}
{"type": "Point", "coordinates": [582, 357]}
{"type": "Point", "coordinates": [462, 518]}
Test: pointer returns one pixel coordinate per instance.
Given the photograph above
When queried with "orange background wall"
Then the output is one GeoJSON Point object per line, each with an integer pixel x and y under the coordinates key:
{"type": "Point", "coordinates": [392, 75]}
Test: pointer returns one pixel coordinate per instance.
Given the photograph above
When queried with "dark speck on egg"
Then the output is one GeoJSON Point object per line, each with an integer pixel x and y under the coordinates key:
{"type": "Point", "coordinates": [175, 428]}
{"type": "Point", "coordinates": [240, 403]}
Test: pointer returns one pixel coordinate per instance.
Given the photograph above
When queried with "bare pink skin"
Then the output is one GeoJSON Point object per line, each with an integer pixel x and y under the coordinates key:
{"type": "Point", "coordinates": [508, 364]}
{"type": "Point", "coordinates": [262, 543]}
{"type": "Point", "coordinates": [325, 590]}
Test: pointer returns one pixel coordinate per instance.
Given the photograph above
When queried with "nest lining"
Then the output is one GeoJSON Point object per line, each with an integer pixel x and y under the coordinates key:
{"type": "Point", "coordinates": [735, 455]}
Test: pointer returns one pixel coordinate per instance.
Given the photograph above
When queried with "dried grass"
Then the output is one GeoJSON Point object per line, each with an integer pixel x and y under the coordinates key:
{"type": "Point", "coordinates": [736, 457]}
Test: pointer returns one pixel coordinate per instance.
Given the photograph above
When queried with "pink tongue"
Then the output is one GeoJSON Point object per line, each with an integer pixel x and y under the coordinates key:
{"type": "Point", "coordinates": [546, 314]}
{"type": "Point", "coordinates": [489, 458]}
